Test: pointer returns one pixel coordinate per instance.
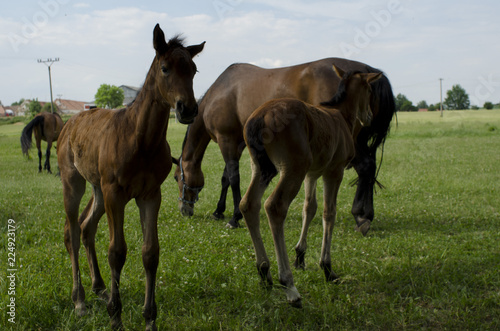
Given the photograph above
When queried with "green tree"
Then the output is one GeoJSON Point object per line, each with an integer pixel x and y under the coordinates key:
{"type": "Point", "coordinates": [18, 103]}
{"type": "Point", "coordinates": [46, 107]}
{"type": "Point", "coordinates": [109, 96]}
{"type": "Point", "coordinates": [457, 98]}
{"type": "Point", "coordinates": [35, 107]}
{"type": "Point", "coordinates": [403, 104]}
{"type": "Point", "coordinates": [488, 105]}
{"type": "Point", "coordinates": [422, 104]}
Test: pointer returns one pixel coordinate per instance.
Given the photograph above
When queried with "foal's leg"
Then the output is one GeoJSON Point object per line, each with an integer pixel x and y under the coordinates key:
{"type": "Point", "coordinates": [114, 204]}
{"type": "Point", "coordinates": [221, 205]}
{"type": "Point", "coordinates": [310, 207]}
{"type": "Point", "coordinates": [150, 254]}
{"type": "Point", "coordinates": [250, 208]}
{"type": "Point", "coordinates": [89, 220]}
{"type": "Point", "coordinates": [276, 208]}
{"type": "Point", "coordinates": [331, 182]}
{"type": "Point", "coordinates": [73, 190]}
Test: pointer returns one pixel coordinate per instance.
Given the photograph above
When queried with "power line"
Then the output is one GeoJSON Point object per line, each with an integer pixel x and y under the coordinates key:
{"type": "Point", "coordinates": [51, 61]}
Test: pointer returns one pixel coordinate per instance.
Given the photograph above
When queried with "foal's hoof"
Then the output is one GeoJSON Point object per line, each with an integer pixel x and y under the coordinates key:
{"type": "Point", "coordinates": [363, 227]}
{"type": "Point", "coordinates": [80, 310]}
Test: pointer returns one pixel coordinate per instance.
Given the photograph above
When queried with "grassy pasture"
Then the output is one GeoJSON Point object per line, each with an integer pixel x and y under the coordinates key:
{"type": "Point", "coordinates": [431, 260]}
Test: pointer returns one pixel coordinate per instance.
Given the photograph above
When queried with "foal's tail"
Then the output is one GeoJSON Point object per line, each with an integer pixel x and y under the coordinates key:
{"type": "Point", "coordinates": [28, 131]}
{"type": "Point", "coordinates": [253, 137]}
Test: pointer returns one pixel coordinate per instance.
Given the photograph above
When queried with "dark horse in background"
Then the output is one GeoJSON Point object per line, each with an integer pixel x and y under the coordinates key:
{"type": "Point", "coordinates": [241, 89]}
{"type": "Point", "coordinates": [46, 126]}
{"type": "Point", "coordinates": [124, 155]}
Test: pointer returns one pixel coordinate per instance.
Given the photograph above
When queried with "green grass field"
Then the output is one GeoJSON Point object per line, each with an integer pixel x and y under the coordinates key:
{"type": "Point", "coordinates": [431, 260]}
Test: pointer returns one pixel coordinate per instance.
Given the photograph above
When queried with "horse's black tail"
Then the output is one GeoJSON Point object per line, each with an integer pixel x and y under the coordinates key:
{"type": "Point", "coordinates": [254, 138]}
{"type": "Point", "coordinates": [382, 91]}
{"type": "Point", "coordinates": [28, 131]}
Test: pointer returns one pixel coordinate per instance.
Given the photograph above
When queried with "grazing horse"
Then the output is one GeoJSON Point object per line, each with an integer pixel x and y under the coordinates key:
{"type": "Point", "coordinates": [47, 126]}
{"type": "Point", "coordinates": [302, 142]}
{"type": "Point", "coordinates": [124, 155]}
{"type": "Point", "coordinates": [239, 90]}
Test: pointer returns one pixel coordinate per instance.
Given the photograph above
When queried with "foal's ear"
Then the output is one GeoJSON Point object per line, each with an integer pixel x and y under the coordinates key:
{"type": "Point", "coordinates": [195, 49]}
{"type": "Point", "coordinates": [338, 71]}
{"type": "Point", "coordinates": [159, 42]}
{"type": "Point", "coordinates": [175, 161]}
{"type": "Point", "coordinates": [371, 78]}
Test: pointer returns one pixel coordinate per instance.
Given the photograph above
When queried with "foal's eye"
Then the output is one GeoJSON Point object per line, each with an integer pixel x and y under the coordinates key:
{"type": "Point", "coordinates": [164, 70]}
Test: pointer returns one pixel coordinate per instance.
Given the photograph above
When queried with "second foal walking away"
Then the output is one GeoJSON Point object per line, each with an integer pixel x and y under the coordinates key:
{"type": "Point", "coordinates": [124, 155]}
{"type": "Point", "coordinates": [302, 143]}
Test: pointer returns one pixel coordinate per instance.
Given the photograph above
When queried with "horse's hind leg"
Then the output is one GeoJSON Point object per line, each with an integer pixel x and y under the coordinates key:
{"type": "Point", "coordinates": [250, 207]}
{"type": "Point", "coordinates": [332, 183]}
{"type": "Point", "coordinates": [73, 190]}
{"type": "Point", "coordinates": [232, 153]}
{"type": "Point", "coordinates": [308, 212]}
{"type": "Point", "coordinates": [276, 208]}
{"type": "Point", "coordinates": [40, 155]}
{"type": "Point", "coordinates": [89, 220]}
{"type": "Point", "coordinates": [150, 254]}
{"type": "Point", "coordinates": [221, 205]}
{"type": "Point", "coordinates": [47, 157]}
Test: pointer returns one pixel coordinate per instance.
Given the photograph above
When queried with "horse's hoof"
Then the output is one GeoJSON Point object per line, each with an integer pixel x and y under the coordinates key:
{"type": "Point", "coordinates": [217, 216]}
{"type": "Point", "coordinates": [102, 294]}
{"type": "Point", "coordinates": [364, 227]}
{"type": "Point", "coordinates": [232, 225]}
{"type": "Point", "coordinates": [296, 304]}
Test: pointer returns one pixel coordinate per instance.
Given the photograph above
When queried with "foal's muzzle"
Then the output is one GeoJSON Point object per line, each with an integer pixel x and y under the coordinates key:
{"type": "Point", "coordinates": [184, 114]}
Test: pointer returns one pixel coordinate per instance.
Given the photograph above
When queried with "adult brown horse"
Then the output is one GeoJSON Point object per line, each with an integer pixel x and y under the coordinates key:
{"type": "Point", "coordinates": [46, 126]}
{"type": "Point", "coordinates": [302, 143]}
{"type": "Point", "coordinates": [124, 155]}
{"type": "Point", "coordinates": [239, 90]}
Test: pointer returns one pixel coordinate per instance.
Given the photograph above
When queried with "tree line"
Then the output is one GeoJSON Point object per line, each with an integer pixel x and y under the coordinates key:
{"type": "Point", "coordinates": [456, 99]}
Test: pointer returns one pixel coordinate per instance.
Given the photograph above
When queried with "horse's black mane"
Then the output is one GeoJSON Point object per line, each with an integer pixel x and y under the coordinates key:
{"type": "Point", "coordinates": [341, 91]}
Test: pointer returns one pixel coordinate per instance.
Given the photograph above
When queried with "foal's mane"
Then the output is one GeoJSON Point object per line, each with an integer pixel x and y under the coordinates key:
{"type": "Point", "coordinates": [176, 41]}
{"type": "Point", "coordinates": [341, 94]}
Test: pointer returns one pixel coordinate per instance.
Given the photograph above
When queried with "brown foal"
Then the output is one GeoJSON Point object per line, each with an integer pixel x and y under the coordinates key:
{"type": "Point", "coordinates": [302, 142]}
{"type": "Point", "coordinates": [124, 155]}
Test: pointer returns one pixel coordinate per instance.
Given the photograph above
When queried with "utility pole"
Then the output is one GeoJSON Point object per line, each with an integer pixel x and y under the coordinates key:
{"type": "Point", "coordinates": [441, 93]}
{"type": "Point", "coordinates": [46, 62]}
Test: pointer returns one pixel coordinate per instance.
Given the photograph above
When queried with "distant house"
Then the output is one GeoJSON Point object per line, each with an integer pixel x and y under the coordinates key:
{"type": "Point", "coordinates": [422, 110]}
{"type": "Point", "coordinates": [130, 93]}
{"type": "Point", "coordinates": [70, 106]}
{"type": "Point", "coordinates": [3, 111]}
{"type": "Point", "coordinates": [14, 110]}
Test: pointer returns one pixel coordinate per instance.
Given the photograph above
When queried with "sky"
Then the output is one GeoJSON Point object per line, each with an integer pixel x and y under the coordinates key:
{"type": "Point", "coordinates": [416, 43]}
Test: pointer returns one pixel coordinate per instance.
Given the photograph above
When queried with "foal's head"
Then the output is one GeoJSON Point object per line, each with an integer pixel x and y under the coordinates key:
{"type": "Point", "coordinates": [174, 71]}
{"type": "Point", "coordinates": [353, 94]}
